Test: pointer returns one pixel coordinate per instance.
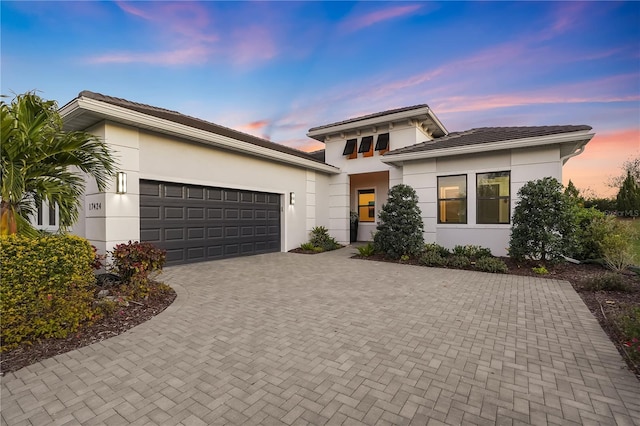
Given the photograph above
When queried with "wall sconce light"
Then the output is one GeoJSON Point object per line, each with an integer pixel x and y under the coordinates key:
{"type": "Point", "coordinates": [292, 198]}
{"type": "Point", "coordinates": [121, 183]}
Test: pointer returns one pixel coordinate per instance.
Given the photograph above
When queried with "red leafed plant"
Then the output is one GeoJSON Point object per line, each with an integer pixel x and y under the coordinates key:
{"type": "Point", "coordinates": [134, 262]}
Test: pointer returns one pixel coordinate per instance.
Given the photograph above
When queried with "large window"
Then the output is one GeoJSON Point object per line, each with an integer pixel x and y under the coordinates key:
{"type": "Point", "coordinates": [452, 199]}
{"type": "Point", "coordinates": [366, 205]}
{"type": "Point", "coordinates": [493, 197]}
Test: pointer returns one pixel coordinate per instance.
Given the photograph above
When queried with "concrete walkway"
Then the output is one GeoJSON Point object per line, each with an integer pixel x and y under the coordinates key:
{"type": "Point", "coordinates": [296, 339]}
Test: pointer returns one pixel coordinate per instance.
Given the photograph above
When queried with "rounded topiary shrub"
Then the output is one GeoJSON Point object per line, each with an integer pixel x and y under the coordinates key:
{"type": "Point", "coordinates": [47, 287]}
{"type": "Point", "coordinates": [400, 231]}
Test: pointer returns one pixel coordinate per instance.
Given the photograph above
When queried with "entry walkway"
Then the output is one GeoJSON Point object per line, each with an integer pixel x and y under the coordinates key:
{"type": "Point", "coordinates": [297, 339]}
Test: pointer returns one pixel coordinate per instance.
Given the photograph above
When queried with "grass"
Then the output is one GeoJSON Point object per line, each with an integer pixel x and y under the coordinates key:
{"type": "Point", "coordinates": [635, 224]}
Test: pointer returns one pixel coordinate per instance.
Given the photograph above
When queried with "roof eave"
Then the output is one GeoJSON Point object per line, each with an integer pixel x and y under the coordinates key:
{"type": "Point", "coordinates": [321, 133]}
{"type": "Point", "coordinates": [79, 106]}
{"type": "Point", "coordinates": [579, 138]}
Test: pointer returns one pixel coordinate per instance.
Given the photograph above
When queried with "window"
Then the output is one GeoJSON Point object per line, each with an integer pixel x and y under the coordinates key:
{"type": "Point", "coordinates": [493, 197]}
{"type": "Point", "coordinates": [366, 146]}
{"type": "Point", "coordinates": [52, 215]}
{"type": "Point", "coordinates": [366, 205]}
{"type": "Point", "coordinates": [39, 213]}
{"type": "Point", "coordinates": [382, 144]}
{"type": "Point", "coordinates": [350, 148]}
{"type": "Point", "coordinates": [452, 199]}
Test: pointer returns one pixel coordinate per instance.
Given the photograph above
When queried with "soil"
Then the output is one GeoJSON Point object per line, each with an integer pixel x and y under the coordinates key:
{"type": "Point", "coordinates": [604, 305]}
{"type": "Point", "coordinates": [123, 319]}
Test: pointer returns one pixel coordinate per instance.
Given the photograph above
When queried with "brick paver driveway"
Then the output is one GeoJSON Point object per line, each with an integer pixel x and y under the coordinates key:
{"type": "Point", "coordinates": [295, 339]}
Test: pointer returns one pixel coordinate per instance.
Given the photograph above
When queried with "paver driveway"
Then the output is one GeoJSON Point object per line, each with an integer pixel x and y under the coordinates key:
{"type": "Point", "coordinates": [294, 339]}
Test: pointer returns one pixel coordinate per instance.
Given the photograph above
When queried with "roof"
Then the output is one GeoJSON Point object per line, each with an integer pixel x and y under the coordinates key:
{"type": "Point", "coordinates": [196, 123]}
{"type": "Point", "coordinates": [366, 117]}
{"type": "Point", "coordinates": [486, 135]}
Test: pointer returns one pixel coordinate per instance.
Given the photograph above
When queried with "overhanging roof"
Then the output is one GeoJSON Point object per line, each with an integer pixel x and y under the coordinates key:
{"type": "Point", "coordinates": [90, 108]}
{"type": "Point", "coordinates": [492, 139]}
{"type": "Point", "coordinates": [418, 113]}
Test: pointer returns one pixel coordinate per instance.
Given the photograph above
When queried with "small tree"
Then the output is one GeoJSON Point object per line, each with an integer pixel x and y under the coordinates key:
{"type": "Point", "coordinates": [543, 222]}
{"type": "Point", "coordinates": [574, 194]}
{"type": "Point", "coordinates": [628, 198]}
{"type": "Point", "coordinates": [400, 228]}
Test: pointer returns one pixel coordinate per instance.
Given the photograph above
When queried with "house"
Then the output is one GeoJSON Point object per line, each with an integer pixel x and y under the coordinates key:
{"type": "Point", "coordinates": [203, 191]}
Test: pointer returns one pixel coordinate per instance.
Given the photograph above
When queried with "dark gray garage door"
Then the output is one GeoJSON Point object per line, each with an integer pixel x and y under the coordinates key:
{"type": "Point", "coordinates": [198, 223]}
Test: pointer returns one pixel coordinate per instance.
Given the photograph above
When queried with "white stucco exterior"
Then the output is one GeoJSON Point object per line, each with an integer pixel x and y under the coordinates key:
{"type": "Point", "coordinates": [159, 145]}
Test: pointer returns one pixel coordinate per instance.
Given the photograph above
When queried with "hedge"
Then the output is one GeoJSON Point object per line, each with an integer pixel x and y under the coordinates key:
{"type": "Point", "coordinates": [47, 287]}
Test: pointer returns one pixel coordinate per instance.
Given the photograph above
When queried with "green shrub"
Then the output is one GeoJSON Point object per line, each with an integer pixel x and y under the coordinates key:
{"type": "Point", "coordinates": [47, 287]}
{"type": "Point", "coordinates": [472, 252]}
{"type": "Point", "coordinates": [543, 222]}
{"type": "Point", "coordinates": [400, 228]}
{"type": "Point", "coordinates": [458, 261]}
{"type": "Point", "coordinates": [307, 246]}
{"type": "Point", "coordinates": [432, 258]}
{"type": "Point", "coordinates": [134, 262]}
{"type": "Point", "coordinates": [617, 250]}
{"type": "Point", "coordinates": [491, 264]}
{"type": "Point", "coordinates": [436, 248]}
{"type": "Point", "coordinates": [320, 238]}
{"type": "Point", "coordinates": [540, 270]}
{"type": "Point", "coordinates": [607, 282]}
{"type": "Point", "coordinates": [591, 227]}
{"type": "Point", "coordinates": [366, 250]}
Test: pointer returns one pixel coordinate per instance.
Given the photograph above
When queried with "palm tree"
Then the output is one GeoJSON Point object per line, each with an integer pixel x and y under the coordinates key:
{"type": "Point", "coordinates": [41, 161]}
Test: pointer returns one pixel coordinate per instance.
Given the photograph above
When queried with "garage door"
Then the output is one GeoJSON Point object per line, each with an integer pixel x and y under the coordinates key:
{"type": "Point", "coordinates": [198, 223]}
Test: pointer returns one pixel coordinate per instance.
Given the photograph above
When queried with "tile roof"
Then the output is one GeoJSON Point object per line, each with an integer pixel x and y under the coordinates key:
{"type": "Point", "coordinates": [487, 135]}
{"type": "Point", "coordinates": [197, 123]}
{"type": "Point", "coordinates": [366, 117]}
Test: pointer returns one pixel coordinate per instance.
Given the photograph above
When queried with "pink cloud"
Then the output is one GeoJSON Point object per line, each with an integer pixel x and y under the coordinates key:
{"type": "Point", "coordinates": [191, 55]}
{"type": "Point", "coordinates": [602, 158]}
{"type": "Point", "coordinates": [363, 21]}
{"type": "Point", "coordinates": [251, 44]}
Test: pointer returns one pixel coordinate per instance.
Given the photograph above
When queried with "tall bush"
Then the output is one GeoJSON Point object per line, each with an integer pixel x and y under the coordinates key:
{"type": "Point", "coordinates": [591, 227]}
{"type": "Point", "coordinates": [543, 222]}
{"type": "Point", "coordinates": [47, 287]}
{"type": "Point", "coordinates": [400, 231]}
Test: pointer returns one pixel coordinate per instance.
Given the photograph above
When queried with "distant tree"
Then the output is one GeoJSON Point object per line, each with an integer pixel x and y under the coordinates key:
{"type": "Point", "coordinates": [544, 222]}
{"type": "Point", "coordinates": [400, 229]}
{"type": "Point", "coordinates": [573, 194]}
{"type": "Point", "coordinates": [632, 166]}
{"type": "Point", "coordinates": [41, 161]}
{"type": "Point", "coordinates": [628, 198]}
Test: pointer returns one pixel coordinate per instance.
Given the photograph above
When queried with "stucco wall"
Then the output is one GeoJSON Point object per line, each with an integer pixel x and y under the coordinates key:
{"type": "Point", "coordinates": [146, 155]}
{"type": "Point", "coordinates": [524, 165]}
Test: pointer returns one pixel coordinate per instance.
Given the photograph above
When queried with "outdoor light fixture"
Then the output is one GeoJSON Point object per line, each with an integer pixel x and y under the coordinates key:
{"type": "Point", "coordinates": [121, 183]}
{"type": "Point", "coordinates": [292, 198]}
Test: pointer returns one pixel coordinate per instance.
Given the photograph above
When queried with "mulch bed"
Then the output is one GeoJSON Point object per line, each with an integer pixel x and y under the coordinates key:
{"type": "Point", "coordinates": [123, 319]}
{"type": "Point", "coordinates": [604, 305]}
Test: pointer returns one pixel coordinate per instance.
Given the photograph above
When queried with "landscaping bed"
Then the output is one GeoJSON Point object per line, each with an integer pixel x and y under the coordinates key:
{"type": "Point", "coordinates": [123, 318]}
{"type": "Point", "coordinates": [606, 305]}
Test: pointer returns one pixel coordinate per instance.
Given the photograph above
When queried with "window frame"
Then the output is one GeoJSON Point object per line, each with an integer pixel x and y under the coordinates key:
{"type": "Point", "coordinates": [366, 146]}
{"type": "Point", "coordinates": [499, 197]}
{"type": "Point", "coordinates": [353, 153]}
{"type": "Point", "coordinates": [366, 191]}
{"type": "Point", "coordinates": [465, 199]}
{"type": "Point", "coordinates": [379, 143]}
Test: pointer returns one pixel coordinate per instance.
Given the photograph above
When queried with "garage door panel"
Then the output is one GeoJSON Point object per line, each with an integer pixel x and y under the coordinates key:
{"type": "Point", "coordinates": [195, 223]}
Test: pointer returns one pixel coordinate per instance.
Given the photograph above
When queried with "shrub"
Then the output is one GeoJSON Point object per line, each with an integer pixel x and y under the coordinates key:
{"type": "Point", "coordinates": [543, 222]}
{"type": "Point", "coordinates": [607, 282]}
{"type": "Point", "coordinates": [458, 261]}
{"type": "Point", "coordinates": [400, 228]}
{"type": "Point", "coordinates": [320, 238]}
{"type": "Point", "coordinates": [47, 287]}
{"type": "Point", "coordinates": [436, 248]}
{"type": "Point", "coordinates": [307, 246]}
{"type": "Point", "coordinates": [472, 252]}
{"type": "Point", "coordinates": [366, 250]}
{"type": "Point", "coordinates": [540, 270]}
{"type": "Point", "coordinates": [617, 250]}
{"type": "Point", "coordinates": [591, 227]}
{"type": "Point", "coordinates": [134, 262]}
{"type": "Point", "coordinates": [491, 264]}
{"type": "Point", "coordinates": [432, 258]}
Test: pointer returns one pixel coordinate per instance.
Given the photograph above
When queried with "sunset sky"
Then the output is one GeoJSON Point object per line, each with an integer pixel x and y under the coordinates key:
{"type": "Point", "coordinates": [276, 69]}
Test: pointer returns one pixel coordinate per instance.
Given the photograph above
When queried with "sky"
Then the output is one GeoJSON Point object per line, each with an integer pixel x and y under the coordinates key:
{"type": "Point", "coordinates": [277, 69]}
